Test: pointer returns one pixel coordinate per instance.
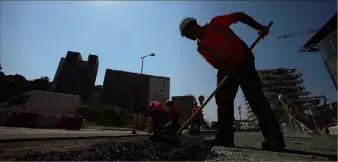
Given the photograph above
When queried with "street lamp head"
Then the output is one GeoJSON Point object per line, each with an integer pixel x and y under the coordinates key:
{"type": "Point", "coordinates": [153, 54]}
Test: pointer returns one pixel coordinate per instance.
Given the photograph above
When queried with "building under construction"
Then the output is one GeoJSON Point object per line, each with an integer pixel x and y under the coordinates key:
{"type": "Point", "coordinates": [325, 43]}
{"type": "Point", "coordinates": [289, 82]}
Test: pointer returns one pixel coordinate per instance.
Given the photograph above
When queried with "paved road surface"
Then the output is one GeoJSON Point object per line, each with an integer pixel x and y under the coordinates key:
{"type": "Point", "coordinates": [27, 133]}
{"type": "Point", "coordinates": [305, 149]}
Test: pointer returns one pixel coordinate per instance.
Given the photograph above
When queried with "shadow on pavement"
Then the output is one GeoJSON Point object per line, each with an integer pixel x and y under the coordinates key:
{"type": "Point", "coordinates": [330, 157]}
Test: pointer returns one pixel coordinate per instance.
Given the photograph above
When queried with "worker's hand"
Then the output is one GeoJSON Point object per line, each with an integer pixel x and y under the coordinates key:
{"type": "Point", "coordinates": [263, 31]}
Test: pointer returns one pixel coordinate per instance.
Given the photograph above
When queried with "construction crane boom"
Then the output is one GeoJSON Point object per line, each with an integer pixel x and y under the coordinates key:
{"type": "Point", "coordinates": [297, 33]}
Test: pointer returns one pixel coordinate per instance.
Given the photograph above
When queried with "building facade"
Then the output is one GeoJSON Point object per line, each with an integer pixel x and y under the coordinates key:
{"type": "Point", "coordinates": [185, 104]}
{"type": "Point", "coordinates": [308, 111]}
{"type": "Point", "coordinates": [122, 88]}
{"type": "Point", "coordinates": [75, 76]}
{"type": "Point", "coordinates": [159, 89]}
{"type": "Point", "coordinates": [325, 42]}
{"type": "Point", "coordinates": [279, 81]}
{"type": "Point", "coordinates": [276, 82]}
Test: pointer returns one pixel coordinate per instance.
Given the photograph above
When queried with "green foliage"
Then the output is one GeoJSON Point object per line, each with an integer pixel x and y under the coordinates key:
{"type": "Point", "coordinates": [13, 85]}
{"type": "Point", "coordinates": [41, 84]}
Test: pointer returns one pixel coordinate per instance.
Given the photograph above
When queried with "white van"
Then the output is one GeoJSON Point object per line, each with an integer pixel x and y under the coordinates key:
{"type": "Point", "coordinates": [43, 102]}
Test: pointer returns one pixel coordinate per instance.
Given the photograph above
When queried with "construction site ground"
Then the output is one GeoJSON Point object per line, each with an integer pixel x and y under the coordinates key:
{"type": "Point", "coordinates": [302, 148]}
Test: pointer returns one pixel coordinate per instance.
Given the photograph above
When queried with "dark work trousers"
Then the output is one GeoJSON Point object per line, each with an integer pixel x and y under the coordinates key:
{"type": "Point", "coordinates": [197, 122]}
{"type": "Point", "coordinates": [157, 117]}
{"type": "Point", "coordinates": [245, 76]}
{"type": "Point", "coordinates": [175, 122]}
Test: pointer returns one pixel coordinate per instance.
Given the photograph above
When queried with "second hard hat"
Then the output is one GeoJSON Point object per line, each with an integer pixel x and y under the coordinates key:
{"type": "Point", "coordinates": [168, 102]}
{"type": "Point", "coordinates": [185, 22]}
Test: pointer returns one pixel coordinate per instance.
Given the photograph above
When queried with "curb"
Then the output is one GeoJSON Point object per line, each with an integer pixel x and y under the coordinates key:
{"type": "Point", "coordinates": [114, 129]}
{"type": "Point", "coordinates": [66, 138]}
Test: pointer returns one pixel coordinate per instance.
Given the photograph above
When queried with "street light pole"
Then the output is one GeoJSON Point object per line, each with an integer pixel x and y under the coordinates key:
{"type": "Point", "coordinates": [152, 54]}
{"type": "Point", "coordinates": [142, 65]}
{"type": "Point", "coordinates": [143, 61]}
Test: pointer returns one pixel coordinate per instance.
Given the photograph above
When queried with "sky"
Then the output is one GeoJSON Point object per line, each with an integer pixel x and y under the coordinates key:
{"type": "Point", "coordinates": [35, 35]}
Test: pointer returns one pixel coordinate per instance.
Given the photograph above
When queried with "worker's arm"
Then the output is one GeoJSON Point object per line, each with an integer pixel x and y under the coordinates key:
{"type": "Point", "coordinates": [246, 19]}
{"type": "Point", "coordinates": [227, 19]}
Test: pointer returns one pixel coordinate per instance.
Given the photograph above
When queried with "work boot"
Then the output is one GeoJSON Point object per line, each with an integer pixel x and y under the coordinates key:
{"type": "Point", "coordinates": [220, 139]}
{"type": "Point", "coordinates": [271, 145]}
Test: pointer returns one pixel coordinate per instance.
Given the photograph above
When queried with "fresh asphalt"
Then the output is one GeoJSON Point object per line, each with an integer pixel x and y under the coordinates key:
{"type": "Point", "coordinates": [298, 147]}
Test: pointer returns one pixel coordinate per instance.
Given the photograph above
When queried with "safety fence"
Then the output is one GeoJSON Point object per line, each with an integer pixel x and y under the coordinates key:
{"type": "Point", "coordinates": [39, 120]}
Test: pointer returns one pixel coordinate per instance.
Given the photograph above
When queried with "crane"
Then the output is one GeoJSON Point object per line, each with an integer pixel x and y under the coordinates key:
{"type": "Point", "coordinates": [297, 33]}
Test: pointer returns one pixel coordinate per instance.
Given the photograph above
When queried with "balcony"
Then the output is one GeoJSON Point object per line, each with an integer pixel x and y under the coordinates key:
{"type": "Point", "coordinates": [300, 93]}
{"type": "Point", "coordinates": [281, 82]}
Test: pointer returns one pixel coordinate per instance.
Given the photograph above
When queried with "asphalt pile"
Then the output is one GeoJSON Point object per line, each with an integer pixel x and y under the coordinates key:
{"type": "Point", "coordinates": [127, 151]}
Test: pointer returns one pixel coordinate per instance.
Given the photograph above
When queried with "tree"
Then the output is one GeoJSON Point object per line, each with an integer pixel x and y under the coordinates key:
{"type": "Point", "coordinates": [41, 84]}
{"type": "Point", "coordinates": [13, 85]}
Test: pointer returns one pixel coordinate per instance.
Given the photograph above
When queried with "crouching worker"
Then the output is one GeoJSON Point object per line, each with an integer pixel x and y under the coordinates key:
{"type": "Point", "coordinates": [174, 125]}
{"type": "Point", "coordinates": [156, 115]}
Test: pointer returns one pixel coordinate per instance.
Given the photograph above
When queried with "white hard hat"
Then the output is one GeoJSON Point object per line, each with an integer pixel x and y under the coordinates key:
{"type": "Point", "coordinates": [185, 22]}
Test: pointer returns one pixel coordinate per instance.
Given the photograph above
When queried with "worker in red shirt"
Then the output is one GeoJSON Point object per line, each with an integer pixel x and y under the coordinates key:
{"type": "Point", "coordinates": [156, 112]}
{"type": "Point", "coordinates": [175, 114]}
{"type": "Point", "coordinates": [222, 48]}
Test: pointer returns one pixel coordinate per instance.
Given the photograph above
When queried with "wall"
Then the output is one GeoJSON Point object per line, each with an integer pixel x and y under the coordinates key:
{"type": "Point", "coordinates": [57, 74]}
{"type": "Point", "coordinates": [185, 104]}
{"type": "Point", "coordinates": [121, 87]}
{"type": "Point", "coordinates": [159, 89]}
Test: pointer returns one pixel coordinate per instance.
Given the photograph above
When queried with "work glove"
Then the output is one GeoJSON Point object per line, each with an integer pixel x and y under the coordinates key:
{"type": "Point", "coordinates": [263, 31]}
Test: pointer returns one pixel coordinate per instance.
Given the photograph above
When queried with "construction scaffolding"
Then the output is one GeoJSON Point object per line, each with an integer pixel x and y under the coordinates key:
{"type": "Point", "coordinates": [299, 113]}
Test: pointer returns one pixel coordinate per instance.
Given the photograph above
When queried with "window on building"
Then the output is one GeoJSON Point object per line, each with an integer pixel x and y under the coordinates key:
{"type": "Point", "coordinates": [163, 81]}
{"type": "Point", "coordinates": [161, 94]}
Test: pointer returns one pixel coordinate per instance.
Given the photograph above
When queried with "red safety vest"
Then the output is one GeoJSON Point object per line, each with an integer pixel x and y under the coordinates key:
{"type": "Point", "coordinates": [154, 106]}
{"type": "Point", "coordinates": [174, 109]}
{"type": "Point", "coordinates": [219, 45]}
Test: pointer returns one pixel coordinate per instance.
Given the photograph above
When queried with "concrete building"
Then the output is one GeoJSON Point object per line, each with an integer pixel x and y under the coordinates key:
{"type": "Point", "coordinates": [75, 76]}
{"type": "Point", "coordinates": [159, 89]}
{"type": "Point", "coordinates": [122, 87]}
{"type": "Point", "coordinates": [325, 42]}
{"type": "Point", "coordinates": [185, 104]}
{"type": "Point", "coordinates": [290, 83]}
{"type": "Point", "coordinates": [95, 95]}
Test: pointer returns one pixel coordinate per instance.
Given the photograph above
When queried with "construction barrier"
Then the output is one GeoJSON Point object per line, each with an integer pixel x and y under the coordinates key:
{"type": "Point", "coordinates": [13, 120]}
{"type": "Point", "coordinates": [22, 119]}
{"type": "Point", "coordinates": [38, 120]}
{"type": "Point", "coordinates": [71, 122]}
{"type": "Point", "coordinates": [47, 121]}
{"type": "Point", "coordinates": [4, 116]}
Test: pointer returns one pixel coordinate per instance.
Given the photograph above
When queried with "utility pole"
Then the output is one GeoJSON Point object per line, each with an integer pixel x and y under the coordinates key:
{"type": "Point", "coordinates": [137, 111]}
{"type": "Point", "coordinates": [143, 61]}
